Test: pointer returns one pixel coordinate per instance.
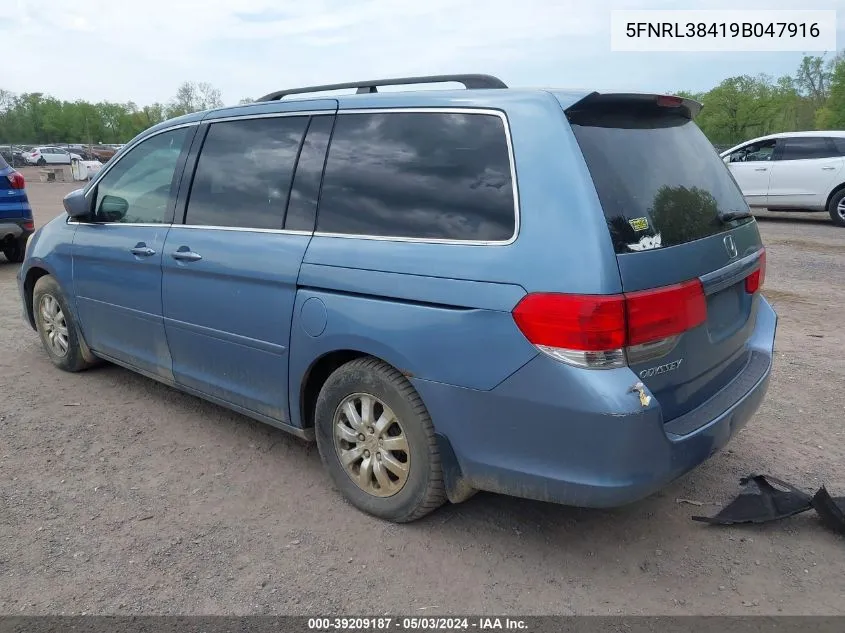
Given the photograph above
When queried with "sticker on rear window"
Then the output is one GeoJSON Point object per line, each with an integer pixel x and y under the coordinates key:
{"type": "Point", "coordinates": [646, 243]}
{"type": "Point", "coordinates": [639, 224]}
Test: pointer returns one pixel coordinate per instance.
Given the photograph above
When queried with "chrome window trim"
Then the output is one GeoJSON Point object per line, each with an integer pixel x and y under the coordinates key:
{"type": "Point", "coordinates": [196, 226]}
{"type": "Point", "coordinates": [241, 229]}
{"type": "Point", "coordinates": [423, 240]}
{"type": "Point", "coordinates": [381, 238]}
{"type": "Point", "coordinates": [153, 224]}
{"type": "Point", "coordinates": [270, 115]}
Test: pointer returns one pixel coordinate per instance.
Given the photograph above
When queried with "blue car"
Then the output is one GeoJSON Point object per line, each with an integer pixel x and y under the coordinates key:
{"type": "Point", "coordinates": [547, 294]}
{"type": "Point", "coordinates": [16, 223]}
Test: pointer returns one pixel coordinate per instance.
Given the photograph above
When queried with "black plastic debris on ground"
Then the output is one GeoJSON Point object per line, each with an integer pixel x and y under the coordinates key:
{"type": "Point", "coordinates": [769, 499]}
{"type": "Point", "coordinates": [831, 510]}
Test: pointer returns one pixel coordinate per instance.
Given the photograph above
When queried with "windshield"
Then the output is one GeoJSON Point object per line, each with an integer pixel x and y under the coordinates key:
{"type": "Point", "coordinates": [659, 180]}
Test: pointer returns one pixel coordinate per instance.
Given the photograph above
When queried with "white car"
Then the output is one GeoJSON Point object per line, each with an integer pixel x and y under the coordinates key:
{"type": "Point", "coordinates": [47, 155]}
{"type": "Point", "coordinates": [792, 171]}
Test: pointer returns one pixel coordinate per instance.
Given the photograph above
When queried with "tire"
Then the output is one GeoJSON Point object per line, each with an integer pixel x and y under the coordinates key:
{"type": "Point", "coordinates": [41, 162]}
{"type": "Point", "coordinates": [400, 501]}
{"type": "Point", "coordinates": [15, 252]}
{"type": "Point", "coordinates": [836, 208]}
{"type": "Point", "coordinates": [47, 298]}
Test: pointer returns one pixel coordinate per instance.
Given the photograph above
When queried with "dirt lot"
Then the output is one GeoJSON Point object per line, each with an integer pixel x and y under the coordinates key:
{"type": "Point", "coordinates": [120, 495]}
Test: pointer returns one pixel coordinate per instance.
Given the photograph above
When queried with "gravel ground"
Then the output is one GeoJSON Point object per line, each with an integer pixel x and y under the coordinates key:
{"type": "Point", "coordinates": [120, 495]}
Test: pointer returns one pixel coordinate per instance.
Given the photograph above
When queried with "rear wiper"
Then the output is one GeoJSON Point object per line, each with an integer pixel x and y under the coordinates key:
{"type": "Point", "coordinates": [730, 216]}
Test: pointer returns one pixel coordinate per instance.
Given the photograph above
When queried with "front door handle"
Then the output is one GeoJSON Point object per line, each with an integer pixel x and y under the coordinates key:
{"type": "Point", "coordinates": [142, 250]}
{"type": "Point", "coordinates": [760, 168]}
{"type": "Point", "coordinates": [185, 254]}
{"type": "Point", "coordinates": [829, 168]}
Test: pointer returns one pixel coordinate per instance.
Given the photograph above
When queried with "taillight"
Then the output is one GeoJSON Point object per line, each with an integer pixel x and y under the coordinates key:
{"type": "Point", "coordinates": [577, 322]}
{"type": "Point", "coordinates": [16, 180]}
{"type": "Point", "coordinates": [664, 312]}
{"type": "Point", "coordinates": [28, 225]}
{"type": "Point", "coordinates": [601, 331]}
{"type": "Point", "coordinates": [755, 280]}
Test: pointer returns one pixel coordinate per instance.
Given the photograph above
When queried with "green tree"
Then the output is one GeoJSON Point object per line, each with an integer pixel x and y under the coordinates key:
{"type": "Point", "coordinates": [813, 78]}
{"type": "Point", "coordinates": [831, 116]}
{"type": "Point", "coordinates": [194, 97]}
{"type": "Point", "coordinates": [742, 107]}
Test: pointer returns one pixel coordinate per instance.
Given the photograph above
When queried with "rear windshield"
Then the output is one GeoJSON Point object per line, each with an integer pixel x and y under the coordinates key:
{"type": "Point", "coordinates": [660, 181]}
{"type": "Point", "coordinates": [3, 163]}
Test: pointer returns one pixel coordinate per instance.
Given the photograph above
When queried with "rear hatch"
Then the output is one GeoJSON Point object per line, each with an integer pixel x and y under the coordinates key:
{"type": "Point", "coordinates": [13, 200]}
{"type": "Point", "coordinates": [675, 216]}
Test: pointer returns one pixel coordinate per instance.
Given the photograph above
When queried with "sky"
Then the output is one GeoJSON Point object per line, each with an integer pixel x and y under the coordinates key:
{"type": "Point", "coordinates": [120, 50]}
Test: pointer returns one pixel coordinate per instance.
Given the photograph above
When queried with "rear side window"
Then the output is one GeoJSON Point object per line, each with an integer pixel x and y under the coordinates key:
{"type": "Point", "coordinates": [839, 142]}
{"type": "Point", "coordinates": [419, 175]}
{"type": "Point", "coordinates": [658, 178]}
{"type": "Point", "coordinates": [244, 172]}
{"type": "Point", "coordinates": [807, 147]}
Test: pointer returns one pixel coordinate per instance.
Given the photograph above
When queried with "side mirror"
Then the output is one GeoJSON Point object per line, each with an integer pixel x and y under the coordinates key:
{"type": "Point", "coordinates": [77, 205]}
{"type": "Point", "coordinates": [112, 209]}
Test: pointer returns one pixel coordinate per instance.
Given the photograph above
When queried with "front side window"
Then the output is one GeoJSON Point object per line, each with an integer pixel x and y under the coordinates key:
{"type": "Point", "coordinates": [138, 189]}
{"type": "Point", "coordinates": [418, 175]}
{"type": "Point", "coordinates": [244, 173]}
{"type": "Point", "coordinates": [807, 148]}
{"type": "Point", "coordinates": [755, 152]}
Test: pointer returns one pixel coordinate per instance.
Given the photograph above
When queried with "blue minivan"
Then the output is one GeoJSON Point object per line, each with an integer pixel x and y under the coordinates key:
{"type": "Point", "coordinates": [547, 294]}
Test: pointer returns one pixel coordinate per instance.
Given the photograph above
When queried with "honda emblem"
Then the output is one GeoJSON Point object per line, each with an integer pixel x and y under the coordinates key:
{"type": "Point", "coordinates": [730, 246]}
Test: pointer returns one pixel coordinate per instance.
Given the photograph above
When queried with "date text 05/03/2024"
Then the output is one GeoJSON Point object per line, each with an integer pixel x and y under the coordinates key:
{"type": "Point", "coordinates": [416, 624]}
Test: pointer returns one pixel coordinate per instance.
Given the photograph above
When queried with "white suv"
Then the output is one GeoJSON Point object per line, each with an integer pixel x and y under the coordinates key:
{"type": "Point", "coordinates": [49, 156]}
{"type": "Point", "coordinates": [792, 171]}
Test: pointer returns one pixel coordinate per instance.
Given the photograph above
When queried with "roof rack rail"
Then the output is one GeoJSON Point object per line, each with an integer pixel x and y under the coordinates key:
{"type": "Point", "coordinates": [469, 81]}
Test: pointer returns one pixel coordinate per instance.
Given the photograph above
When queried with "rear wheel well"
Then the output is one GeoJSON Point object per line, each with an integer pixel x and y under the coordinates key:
{"type": "Point", "coordinates": [836, 190]}
{"type": "Point", "coordinates": [316, 377]}
{"type": "Point", "coordinates": [32, 276]}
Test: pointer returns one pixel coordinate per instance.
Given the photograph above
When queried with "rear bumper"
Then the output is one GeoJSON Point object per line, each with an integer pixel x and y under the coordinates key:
{"type": "Point", "coordinates": [555, 433]}
{"type": "Point", "coordinates": [14, 229]}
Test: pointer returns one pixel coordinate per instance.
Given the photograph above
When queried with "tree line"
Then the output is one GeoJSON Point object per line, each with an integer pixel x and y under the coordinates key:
{"type": "Point", "coordinates": [38, 118]}
{"type": "Point", "coordinates": [744, 107]}
{"type": "Point", "coordinates": [737, 109]}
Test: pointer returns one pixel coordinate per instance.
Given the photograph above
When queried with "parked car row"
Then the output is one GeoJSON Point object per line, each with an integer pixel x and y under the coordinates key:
{"type": "Point", "coordinates": [792, 171]}
{"type": "Point", "coordinates": [13, 155]}
{"type": "Point", "coordinates": [23, 155]}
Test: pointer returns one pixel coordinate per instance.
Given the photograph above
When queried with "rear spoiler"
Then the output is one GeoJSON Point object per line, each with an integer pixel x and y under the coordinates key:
{"type": "Point", "coordinates": [686, 107]}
